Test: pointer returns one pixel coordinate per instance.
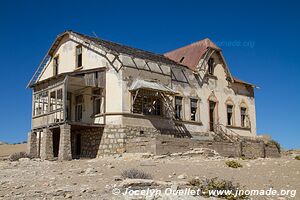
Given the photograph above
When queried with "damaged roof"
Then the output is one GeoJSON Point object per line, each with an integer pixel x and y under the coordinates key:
{"type": "Point", "coordinates": [191, 55]}
{"type": "Point", "coordinates": [123, 49]}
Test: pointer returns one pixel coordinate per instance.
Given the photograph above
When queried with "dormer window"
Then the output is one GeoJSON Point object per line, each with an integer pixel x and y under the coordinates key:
{"type": "Point", "coordinates": [78, 56]}
{"type": "Point", "coordinates": [55, 66]}
{"type": "Point", "coordinates": [181, 60]}
{"type": "Point", "coordinates": [211, 66]}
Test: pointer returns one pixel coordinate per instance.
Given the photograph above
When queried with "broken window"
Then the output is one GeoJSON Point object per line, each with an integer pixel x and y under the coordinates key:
{"type": "Point", "coordinates": [52, 100]}
{"type": "Point", "coordinates": [151, 106]}
{"type": "Point", "coordinates": [147, 103]}
{"type": "Point", "coordinates": [178, 107]}
{"type": "Point", "coordinates": [40, 104]}
{"type": "Point", "coordinates": [78, 56]}
{"type": "Point", "coordinates": [211, 66]}
{"type": "Point", "coordinates": [243, 116]}
{"type": "Point", "coordinates": [194, 109]}
{"type": "Point", "coordinates": [229, 115]}
{"type": "Point", "coordinates": [97, 101]}
{"type": "Point", "coordinates": [55, 66]}
{"type": "Point", "coordinates": [78, 108]}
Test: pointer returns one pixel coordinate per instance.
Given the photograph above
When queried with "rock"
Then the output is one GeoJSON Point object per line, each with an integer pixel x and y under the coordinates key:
{"type": "Point", "coordinates": [23, 160]}
{"type": "Point", "coordinates": [182, 176]}
{"type": "Point", "coordinates": [136, 183]}
{"type": "Point", "coordinates": [160, 156]}
{"type": "Point", "coordinates": [110, 166]}
{"type": "Point", "coordinates": [68, 196]}
{"type": "Point", "coordinates": [118, 178]}
{"type": "Point", "coordinates": [90, 171]}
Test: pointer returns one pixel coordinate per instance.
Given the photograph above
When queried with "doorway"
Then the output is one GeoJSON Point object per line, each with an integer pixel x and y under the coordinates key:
{"type": "Point", "coordinates": [78, 145]}
{"type": "Point", "coordinates": [55, 139]}
{"type": "Point", "coordinates": [212, 106]}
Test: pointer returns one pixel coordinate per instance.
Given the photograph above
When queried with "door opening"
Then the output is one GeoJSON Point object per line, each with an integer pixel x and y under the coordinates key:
{"type": "Point", "coordinates": [212, 106]}
{"type": "Point", "coordinates": [55, 137]}
{"type": "Point", "coordinates": [78, 145]}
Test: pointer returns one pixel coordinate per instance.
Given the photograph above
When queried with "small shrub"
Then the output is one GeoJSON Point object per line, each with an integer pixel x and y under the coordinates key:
{"type": "Point", "coordinates": [273, 142]}
{"type": "Point", "coordinates": [17, 156]}
{"type": "Point", "coordinates": [297, 157]}
{"type": "Point", "coordinates": [215, 184]}
{"type": "Point", "coordinates": [233, 164]}
{"type": "Point", "coordinates": [24, 142]}
{"type": "Point", "coordinates": [135, 174]}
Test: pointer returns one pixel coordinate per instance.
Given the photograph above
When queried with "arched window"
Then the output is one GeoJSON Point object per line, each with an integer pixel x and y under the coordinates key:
{"type": "Point", "coordinates": [211, 66]}
{"type": "Point", "coordinates": [230, 112]}
{"type": "Point", "coordinates": [245, 120]}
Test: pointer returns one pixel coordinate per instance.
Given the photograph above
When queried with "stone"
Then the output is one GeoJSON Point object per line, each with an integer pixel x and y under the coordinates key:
{"type": "Point", "coordinates": [118, 178]}
{"type": "Point", "coordinates": [68, 196]}
{"type": "Point", "coordinates": [182, 176]}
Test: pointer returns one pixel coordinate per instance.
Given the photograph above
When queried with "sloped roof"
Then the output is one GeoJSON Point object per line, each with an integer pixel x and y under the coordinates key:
{"type": "Point", "coordinates": [190, 55]}
{"type": "Point", "coordinates": [123, 49]}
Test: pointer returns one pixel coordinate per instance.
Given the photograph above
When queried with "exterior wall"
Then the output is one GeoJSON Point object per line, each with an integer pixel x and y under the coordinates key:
{"type": "Point", "coordinates": [221, 91]}
{"type": "Point", "coordinates": [90, 141]}
{"type": "Point", "coordinates": [67, 58]}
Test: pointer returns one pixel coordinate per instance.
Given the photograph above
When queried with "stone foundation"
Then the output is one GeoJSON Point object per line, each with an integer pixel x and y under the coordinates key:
{"type": "Point", "coordinates": [46, 145]}
{"type": "Point", "coordinates": [90, 142]}
{"type": "Point", "coordinates": [32, 147]}
{"type": "Point", "coordinates": [65, 143]}
{"type": "Point", "coordinates": [165, 145]}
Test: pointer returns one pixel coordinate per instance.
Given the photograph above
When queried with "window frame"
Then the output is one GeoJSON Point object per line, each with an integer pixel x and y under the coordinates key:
{"type": "Point", "coordinates": [178, 115]}
{"type": "Point", "coordinates": [196, 110]}
{"type": "Point", "coordinates": [231, 120]}
{"type": "Point", "coordinates": [244, 116]}
{"type": "Point", "coordinates": [210, 64]}
{"type": "Point", "coordinates": [79, 57]}
{"type": "Point", "coordinates": [55, 64]}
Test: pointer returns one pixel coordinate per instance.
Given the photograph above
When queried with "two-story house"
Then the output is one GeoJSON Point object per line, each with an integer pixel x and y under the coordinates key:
{"type": "Point", "coordinates": [91, 95]}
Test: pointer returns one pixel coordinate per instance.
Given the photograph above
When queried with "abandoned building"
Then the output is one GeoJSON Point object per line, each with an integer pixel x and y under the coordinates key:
{"type": "Point", "coordinates": [93, 97]}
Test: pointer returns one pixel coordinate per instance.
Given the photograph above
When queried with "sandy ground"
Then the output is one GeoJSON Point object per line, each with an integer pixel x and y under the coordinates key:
{"type": "Point", "coordinates": [95, 178]}
{"type": "Point", "coordinates": [8, 149]}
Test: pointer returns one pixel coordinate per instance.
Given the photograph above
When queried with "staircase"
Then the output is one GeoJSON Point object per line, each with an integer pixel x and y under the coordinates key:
{"type": "Point", "coordinates": [224, 133]}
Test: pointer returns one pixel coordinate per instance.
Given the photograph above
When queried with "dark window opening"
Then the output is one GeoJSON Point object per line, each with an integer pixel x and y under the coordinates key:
{"type": "Point", "coordinates": [211, 66]}
{"type": "Point", "coordinates": [178, 107]}
{"type": "Point", "coordinates": [193, 109]}
{"type": "Point", "coordinates": [181, 60]}
{"type": "Point", "coordinates": [55, 66]}
{"type": "Point", "coordinates": [97, 101]}
{"type": "Point", "coordinates": [151, 106]}
{"type": "Point", "coordinates": [243, 116]}
{"type": "Point", "coordinates": [78, 56]}
{"type": "Point", "coordinates": [229, 115]}
{"type": "Point", "coordinates": [79, 108]}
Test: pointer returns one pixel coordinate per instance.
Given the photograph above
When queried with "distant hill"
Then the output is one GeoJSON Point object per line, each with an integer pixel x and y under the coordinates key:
{"type": "Point", "coordinates": [2, 143]}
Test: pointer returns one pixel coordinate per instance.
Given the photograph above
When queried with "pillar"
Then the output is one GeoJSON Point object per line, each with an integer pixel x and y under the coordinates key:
{"type": "Point", "coordinates": [65, 143]}
{"type": "Point", "coordinates": [47, 145]}
{"type": "Point", "coordinates": [32, 144]}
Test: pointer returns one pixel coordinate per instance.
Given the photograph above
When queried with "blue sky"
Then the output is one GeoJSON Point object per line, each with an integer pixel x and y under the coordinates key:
{"type": "Point", "coordinates": [260, 41]}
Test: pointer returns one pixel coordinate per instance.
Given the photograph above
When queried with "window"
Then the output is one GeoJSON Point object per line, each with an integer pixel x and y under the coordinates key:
{"type": "Point", "coordinates": [97, 101]}
{"type": "Point", "coordinates": [229, 115]}
{"type": "Point", "coordinates": [78, 56]}
{"type": "Point", "coordinates": [181, 60]}
{"type": "Point", "coordinates": [52, 101]}
{"type": "Point", "coordinates": [211, 66]}
{"type": "Point", "coordinates": [151, 106]}
{"type": "Point", "coordinates": [178, 107]}
{"type": "Point", "coordinates": [243, 116]}
{"type": "Point", "coordinates": [193, 109]}
{"type": "Point", "coordinates": [55, 66]}
{"type": "Point", "coordinates": [78, 108]}
{"type": "Point", "coordinates": [40, 104]}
